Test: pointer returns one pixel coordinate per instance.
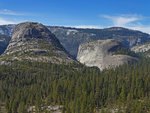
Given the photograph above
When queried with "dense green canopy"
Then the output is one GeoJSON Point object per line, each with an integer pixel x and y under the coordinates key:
{"type": "Point", "coordinates": [78, 88]}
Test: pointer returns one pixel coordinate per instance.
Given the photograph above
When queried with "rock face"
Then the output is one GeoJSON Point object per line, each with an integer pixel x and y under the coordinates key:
{"type": "Point", "coordinates": [101, 53]}
{"type": "Point", "coordinates": [33, 41]}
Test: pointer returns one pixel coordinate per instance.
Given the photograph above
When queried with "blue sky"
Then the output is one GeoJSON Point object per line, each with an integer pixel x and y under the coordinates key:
{"type": "Point", "coordinates": [133, 14]}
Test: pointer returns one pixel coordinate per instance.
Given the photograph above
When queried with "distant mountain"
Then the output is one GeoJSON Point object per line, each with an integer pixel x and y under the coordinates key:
{"type": "Point", "coordinates": [5, 36]}
{"type": "Point", "coordinates": [4, 41]}
{"type": "Point", "coordinates": [107, 53]}
{"type": "Point", "coordinates": [33, 41]}
{"type": "Point", "coordinates": [71, 38]}
{"type": "Point", "coordinates": [6, 29]}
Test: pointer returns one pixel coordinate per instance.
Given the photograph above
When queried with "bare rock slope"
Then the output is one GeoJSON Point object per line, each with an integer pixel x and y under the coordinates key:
{"type": "Point", "coordinates": [102, 53]}
{"type": "Point", "coordinates": [144, 49]}
{"type": "Point", "coordinates": [33, 41]}
{"type": "Point", "coordinates": [141, 48]}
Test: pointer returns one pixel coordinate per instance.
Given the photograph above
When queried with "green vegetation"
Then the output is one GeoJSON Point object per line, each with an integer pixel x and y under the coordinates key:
{"type": "Point", "coordinates": [79, 89]}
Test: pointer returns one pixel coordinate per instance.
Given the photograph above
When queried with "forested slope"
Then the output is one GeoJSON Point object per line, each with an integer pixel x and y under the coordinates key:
{"type": "Point", "coordinates": [77, 88]}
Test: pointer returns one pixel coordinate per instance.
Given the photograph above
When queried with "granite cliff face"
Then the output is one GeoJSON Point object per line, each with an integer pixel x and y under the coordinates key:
{"type": "Point", "coordinates": [103, 54]}
{"type": "Point", "coordinates": [33, 41]}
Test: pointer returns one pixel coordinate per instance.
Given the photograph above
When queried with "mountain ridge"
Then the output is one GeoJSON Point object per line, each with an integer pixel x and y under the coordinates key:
{"type": "Point", "coordinates": [71, 37]}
